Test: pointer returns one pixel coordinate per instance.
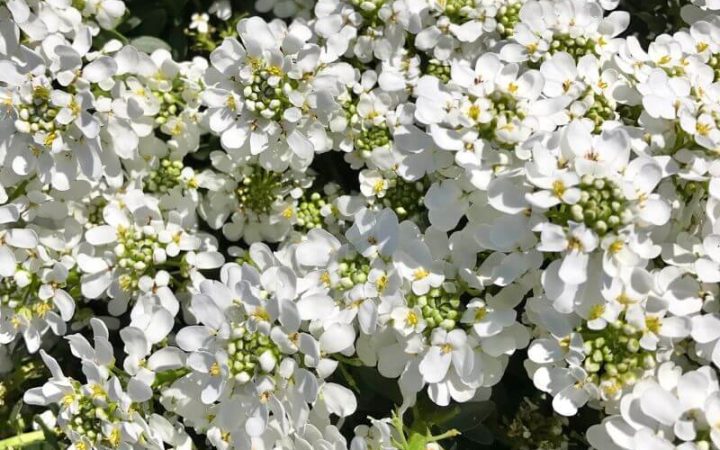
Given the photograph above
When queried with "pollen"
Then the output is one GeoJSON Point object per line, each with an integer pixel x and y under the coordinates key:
{"type": "Point", "coordinates": [612, 388]}
{"type": "Point", "coordinates": [381, 283]}
{"type": "Point", "coordinates": [275, 71]}
{"type": "Point", "coordinates": [596, 312]}
{"type": "Point", "coordinates": [412, 318]}
{"type": "Point", "coordinates": [379, 186]}
{"type": "Point", "coordinates": [178, 128]}
{"type": "Point", "coordinates": [68, 399]}
{"type": "Point", "coordinates": [574, 244]}
{"type": "Point", "coordinates": [262, 314]}
{"type": "Point", "coordinates": [325, 278]}
{"type": "Point", "coordinates": [97, 391]}
{"type": "Point", "coordinates": [653, 324]}
{"type": "Point", "coordinates": [624, 299]}
{"type": "Point", "coordinates": [49, 139]}
{"type": "Point", "coordinates": [41, 309]}
{"type": "Point", "coordinates": [564, 343]}
{"type": "Point", "coordinates": [480, 314]}
{"type": "Point", "coordinates": [616, 247]}
{"type": "Point", "coordinates": [215, 369]}
{"type": "Point", "coordinates": [474, 112]}
{"type": "Point", "coordinates": [703, 129]}
{"type": "Point", "coordinates": [230, 103]}
{"type": "Point", "coordinates": [420, 274]}
{"type": "Point", "coordinates": [114, 438]}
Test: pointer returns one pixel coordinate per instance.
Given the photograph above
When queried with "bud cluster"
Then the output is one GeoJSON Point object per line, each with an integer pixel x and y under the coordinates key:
{"type": "Point", "coordinates": [441, 307]}
{"type": "Point", "coordinates": [267, 92]}
{"type": "Point", "coordinates": [602, 206]}
{"type": "Point", "coordinates": [614, 357]}
{"type": "Point", "coordinates": [245, 349]}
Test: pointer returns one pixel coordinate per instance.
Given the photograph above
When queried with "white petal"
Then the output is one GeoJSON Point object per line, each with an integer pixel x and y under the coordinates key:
{"type": "Point", "coordinates": [339, 400]}
{"type": "Point", "coordinates": [193, 338]}
{"type": "Point", "coordinates": [660, 405]}
{"type": "Point", "coordinates": [101, 235]}
{"type": "Point", "coordinates": [65, 304]}
{"type": "Point", "coordinates": [435, 364]}
{"type": "Point", "coordinates": [167, 358]}
{"type": "Point", "coordinates": [705, 328]}
{"type": "Point", "coordinates": [567, 401]}
{"type": "Point", "coordinates": [337, 338]}
{"type": "Point", "coordinates": [101, 69]}
{"type": "Point", "coordinates": [301, 145]}
{"type": "Point", "coordinates": [138, 390]}
{"type": "Point", "coordinates": [573, 269]}
{"type": "Point", "coordinates": [8, 264]}
{"type": "Point", "coordinates": [21, 238]}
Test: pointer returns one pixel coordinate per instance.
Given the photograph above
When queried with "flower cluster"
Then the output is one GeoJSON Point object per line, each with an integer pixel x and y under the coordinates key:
{"type": "Point", "coordinates": [419, 204]}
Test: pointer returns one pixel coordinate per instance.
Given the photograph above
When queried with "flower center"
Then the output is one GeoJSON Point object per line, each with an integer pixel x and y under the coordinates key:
{"type": "Point", "coordinates": [166, 177]}
{"type": "Point", "coordinates": [170, 97]}
{"type": "Point", "coordinates": [507, 17]}
{"type": "Point", "coordinates": [38, 116]}
{"type": "Point", "coordinates": [267, 92]}
{"type": "Point", "coordinates": [602, 206]}
{"type": "Point", "coordinates": [439, 307]}
{"type": "Point", "coordinates": [614, 357]}
{"type": "Point", "coordinates": [352, 270]}
{"type": "Point", "coordinates": [407, 198]}
{"type": "Point", "coordinates": [458, 11]}
{"type": "Point", "coordinates": [258, 189]}
{"type": "Point", "coordinates": [576, 47]}
{"type": "Point", "coordinates": [244, 351]}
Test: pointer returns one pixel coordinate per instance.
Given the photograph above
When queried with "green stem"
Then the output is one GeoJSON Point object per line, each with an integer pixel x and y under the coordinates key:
{"type": "Point", "coordinates": [445, 435]}
{"type": "Point", "coordinates": [22, 440]}
{"type": "Point", "coordinates": [117, 35]}
{"type": "Point", "coordinates": [20, 189]}
{"type": "Point", "coordinates": [349, 361]}
{"type": "Point", "coordinates": [349, 378]}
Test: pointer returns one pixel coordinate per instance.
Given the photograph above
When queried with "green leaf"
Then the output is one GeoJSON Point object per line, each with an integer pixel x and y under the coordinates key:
{"type": "Point", "coordinates": [175, 7]}
{"type": "Point", "coordinates": [22, 440]}
{"type": "Point", "coordinates": [129, 24]}
{"type": "Point", "coordinates": [369, 378]}
{"type": "Point", "coordinates": [149, 44]}
{"type": "Point", "coordinates": [51, 439]}
{"type": "Point", "coordinates": [480, 435]}
{"type": "Point", "coordinates": [470, 415]}
{"type": "Point", "coordinates": [152, 22]}
{"type": "Point", "coordinates": [179, 43]}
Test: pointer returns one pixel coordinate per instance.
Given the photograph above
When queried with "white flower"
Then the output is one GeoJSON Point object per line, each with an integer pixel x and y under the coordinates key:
{"type": "Point", "coordinates": [576, 243]}
{"type": "Point", "coordinates": [200, 22]}
{"type": "Point", "coordinates": [446, 203]}
{"type": "Point", "coordinates": [374, 233]}
{"type": "Point", "coordinates": [683, 406]}
{"type": "Point", "coordinates": [448, 349]}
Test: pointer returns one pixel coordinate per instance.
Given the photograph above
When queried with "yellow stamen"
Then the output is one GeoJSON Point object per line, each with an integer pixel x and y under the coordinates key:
{"type": "Point", "coordinates": [420, 274]}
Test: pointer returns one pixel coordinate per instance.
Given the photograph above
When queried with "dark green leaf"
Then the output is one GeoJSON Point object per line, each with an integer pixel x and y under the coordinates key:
{"type": "Point", "coordinates": [149, 44]}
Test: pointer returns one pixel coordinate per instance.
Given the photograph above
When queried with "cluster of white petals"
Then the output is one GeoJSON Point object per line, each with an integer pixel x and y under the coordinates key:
{"type": "Point", "coordinates": [423, 189]}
